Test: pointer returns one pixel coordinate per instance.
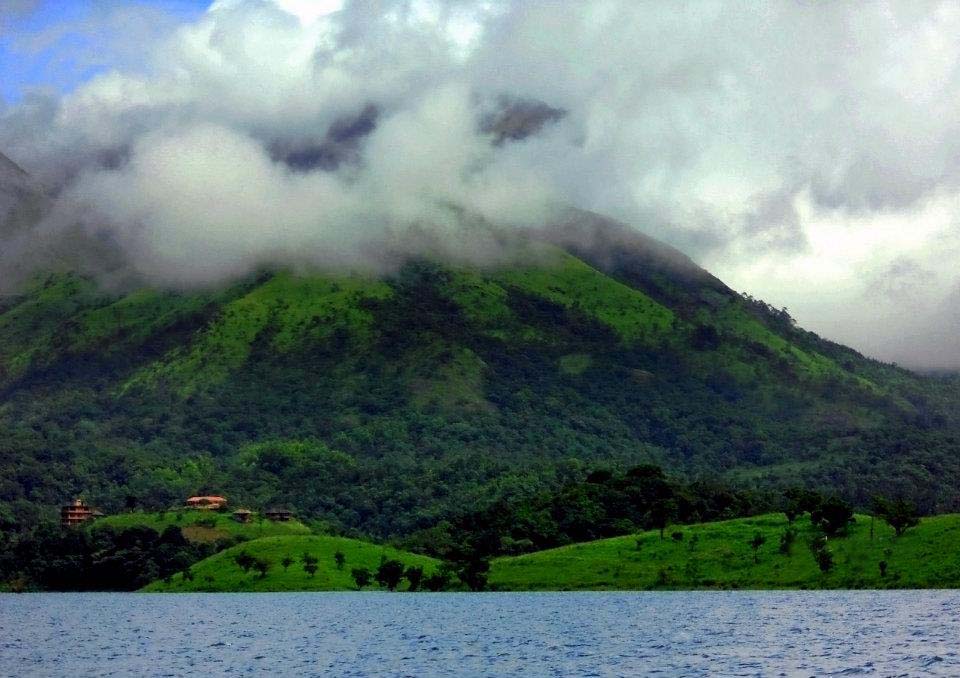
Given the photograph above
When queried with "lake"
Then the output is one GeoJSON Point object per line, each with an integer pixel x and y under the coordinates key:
{"type": "Point", "coordinates": [911, 633]}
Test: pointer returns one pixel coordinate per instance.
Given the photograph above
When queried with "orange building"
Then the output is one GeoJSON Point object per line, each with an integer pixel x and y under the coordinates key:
{"type": "Point", "coordinates": [75, 513]}
{"type": "Point", "coordinates": [210, 503]}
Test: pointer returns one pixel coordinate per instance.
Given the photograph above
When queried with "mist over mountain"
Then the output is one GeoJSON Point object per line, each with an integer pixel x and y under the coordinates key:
{"type": "Point", "coordinates": [805, 154]}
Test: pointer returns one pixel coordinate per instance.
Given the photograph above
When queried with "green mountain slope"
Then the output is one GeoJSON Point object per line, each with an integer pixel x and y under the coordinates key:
{"type": "Point", "coordinates": [720, 555]}
{"type": "Point", "coordinates": [220, 572]}
{"type": "Point", "coordinates": [389, 405]}
{"type": "Point", "coordinates": [705, 556]}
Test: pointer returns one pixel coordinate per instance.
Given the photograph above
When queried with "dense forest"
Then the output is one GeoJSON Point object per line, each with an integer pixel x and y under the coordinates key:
{"type": "Point", "coordinates": [136, 549]}
{"type": "Point", "coordinates": [390, 406]}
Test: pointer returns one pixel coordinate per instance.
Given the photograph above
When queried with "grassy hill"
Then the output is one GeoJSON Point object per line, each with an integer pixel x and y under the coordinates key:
{"type": "Point", "coordinates": [708, 556]}
{"type": "Point", "coordinates": [388, 405]}
{"type": "Point", "coordinates": [221, 573]}
{"type": "Point", "coordinates": [720, 555]}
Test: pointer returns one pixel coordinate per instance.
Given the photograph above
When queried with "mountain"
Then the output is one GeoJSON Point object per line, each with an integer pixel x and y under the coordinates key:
{"type": "Point", "coordinates": [386, 405]}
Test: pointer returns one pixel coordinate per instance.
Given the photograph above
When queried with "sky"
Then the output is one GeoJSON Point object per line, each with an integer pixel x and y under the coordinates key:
{"type": "Point", "coordinates": [60, 44]}
{"type": "Point", "coordinates": [806, 153]}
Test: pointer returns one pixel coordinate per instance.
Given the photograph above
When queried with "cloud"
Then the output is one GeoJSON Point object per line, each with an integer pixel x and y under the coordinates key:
{"type": "Point", "coordinates": [801, 151]}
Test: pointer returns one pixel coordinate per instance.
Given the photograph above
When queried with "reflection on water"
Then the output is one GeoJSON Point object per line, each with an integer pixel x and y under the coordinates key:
{"type": "Point", "coordinates": [909, 633]}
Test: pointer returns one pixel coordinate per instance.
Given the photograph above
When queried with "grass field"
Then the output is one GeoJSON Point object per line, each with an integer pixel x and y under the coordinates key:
{"type": "Point", "coordinates": [221, 573]}
{"type": "Point", "coordinates": [711, 555]}
{"type": "Point", "coordinates": [573, 284]}
{"type": "Point", "coordinates": [719, 555]}
{"type": "Point", "coordinates": [187, 520]}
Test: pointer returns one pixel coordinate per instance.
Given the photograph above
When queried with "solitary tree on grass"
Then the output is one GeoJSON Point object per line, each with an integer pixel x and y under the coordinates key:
{"type": "Point", "coordinates": [832, 516]}
{"type": "Point", "coordinates": [900, 514]}
{"type": "Point", "coordinates": [821, 554]}
{"type": "Point", "coordinates": [262, 565]}
{"type": "Point", "coordinates": [244, 561]}
{"type": "Point", "coordinates": [757, 541]}
{"type": "Point", "coordinates": [339, 559]}
{"type": "Point", "coordinates": [286, 562]}
{"type": "Point", "coordinates": [309, 563]}
{"type": "Point", "coordinates": [786, 540]}
{"type": "Point", "coordinates": [361, 577]}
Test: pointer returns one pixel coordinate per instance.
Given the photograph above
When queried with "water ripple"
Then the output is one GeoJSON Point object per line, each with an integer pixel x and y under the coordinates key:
{"type": "Point", "coordinates": [790, 634]}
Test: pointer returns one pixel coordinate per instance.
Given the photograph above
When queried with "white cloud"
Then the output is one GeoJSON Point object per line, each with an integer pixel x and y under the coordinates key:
{"type": "Point", "coordinates": [808, 153]}
{"type": "Point", "coordinates": [307, 11]}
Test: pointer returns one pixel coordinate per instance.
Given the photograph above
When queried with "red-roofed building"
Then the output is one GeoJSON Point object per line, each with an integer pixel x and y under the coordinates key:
{"type": "Point", "coordinates": [208, 503]}
{"type": "Point", "coordinates": [75, 513]}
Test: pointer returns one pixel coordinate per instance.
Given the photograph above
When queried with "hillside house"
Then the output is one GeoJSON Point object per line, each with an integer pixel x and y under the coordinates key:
{"type": "Point", "coordinates": [243, 515]}
{"type": "Point", "coordinates": [77, 513]}
{"type": "Point", "coordinates": [207, 503]}
{"type": "Point", "coordinates": [279, 515]}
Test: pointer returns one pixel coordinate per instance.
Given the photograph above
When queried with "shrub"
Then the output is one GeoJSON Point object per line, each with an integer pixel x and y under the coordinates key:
{"type": "Point", "coordinates": [414, 575]}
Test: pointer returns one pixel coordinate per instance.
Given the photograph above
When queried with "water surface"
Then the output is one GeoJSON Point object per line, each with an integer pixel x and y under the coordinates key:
{"type": "Point", "coordinates": [913, 633]}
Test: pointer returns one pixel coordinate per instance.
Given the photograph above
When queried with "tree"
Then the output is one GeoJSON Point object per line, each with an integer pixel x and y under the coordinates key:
{"type": "Point", "coordinates": [832, 516]}
{"type": "Point", "coordinates": [474, 572]}
{"type": "Point", "coordinates": [821, 554]}
{"type": "Point", "coordinates": [883, 568]}
{"type": "Point", "coordinates": [361, 577]}
{"type": "Point", "coordinates": [262, 565]}
{"type": "Point", "coordinates": [900, 514]}
{"type": "Point", "coordinates": [390, 573]}
{"type": "Point", "coordinates": [786, 540]}
{"type": "Point", "coordinates": [309, 563]}
{"type": "Point", "coordinates": [340, 559]}
{"type": "Point", "coordinates": [662, 512]}
{"type": "Point", "coordinates": [757, 541]}
{"type": "Point", "coordinates": [244, 561]}
{"type": "Point", "coordinates": [414, 575]}
{"type": "Point", "coordinates": [286, 562]}
{"type": "Point", "coordinates": [798, 501]}
{"type": "Point", "coordinates": [438, 581]}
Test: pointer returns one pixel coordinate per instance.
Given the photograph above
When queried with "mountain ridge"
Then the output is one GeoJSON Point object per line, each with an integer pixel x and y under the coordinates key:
{"type": "Point", "coordinates": [387, 404]}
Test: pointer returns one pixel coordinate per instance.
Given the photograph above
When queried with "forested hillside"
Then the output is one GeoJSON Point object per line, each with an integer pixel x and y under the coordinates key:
{"type": "Point", "coordinates": [386, 405]}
